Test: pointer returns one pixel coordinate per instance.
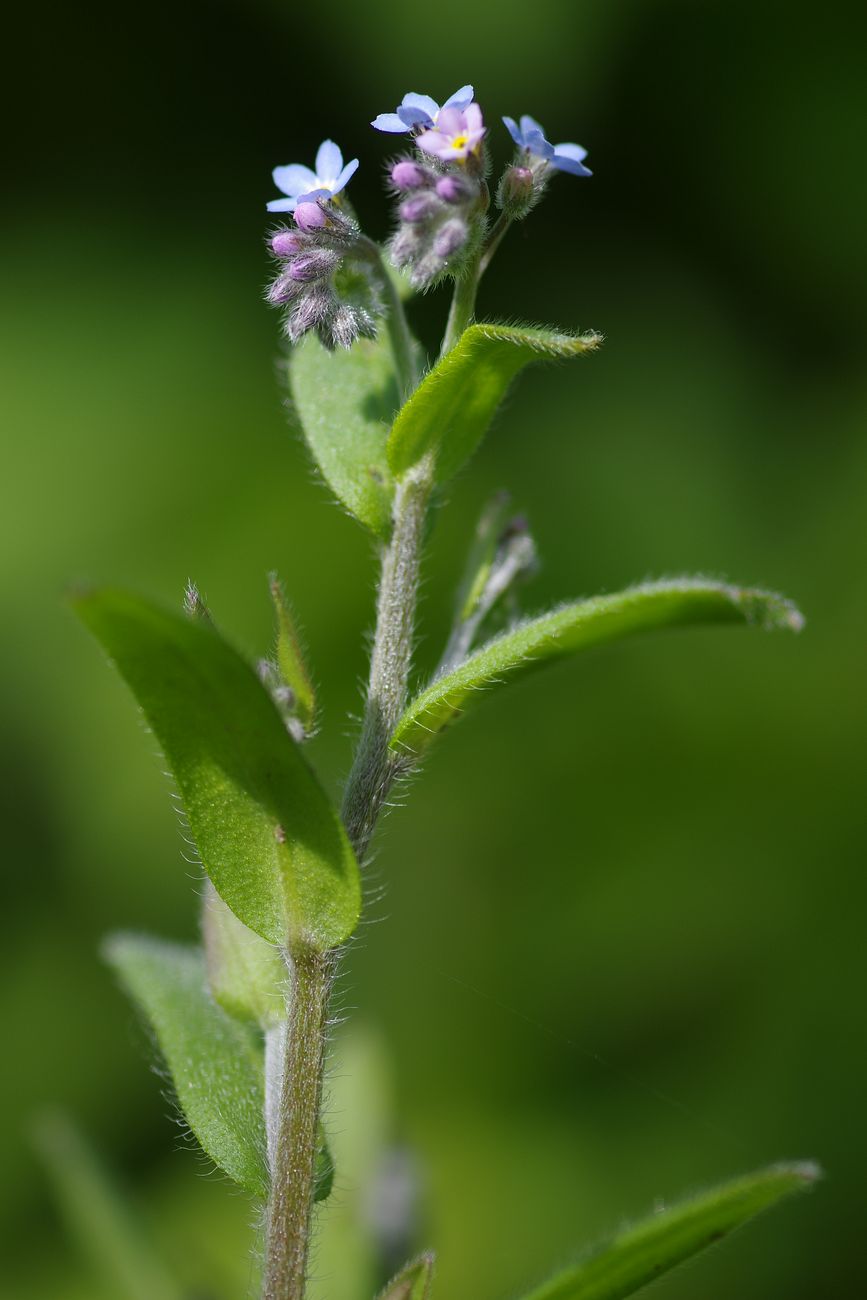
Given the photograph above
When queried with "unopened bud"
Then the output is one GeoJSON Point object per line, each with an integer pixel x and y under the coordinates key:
{"type": "Point", "coordinates": [517, 191]}
{"type": "Point", "coordinates": [284, 289]}
{"type": "Point", "coordinates": [310, 311]}
{"type": "Point", "coordinates": [310, 216]}
{"type": "Point", "coordinates": [419, 208]}
{"type": "Point", "coordinates": [286, 243]}
{"type": "Point", "coordinates": [314, 265]}
{"type": "Point", "coordinates": [406, 175]}
{"type": "Point", "coordinates": [452, 237]}
{"type": "Point", "coordinates": [453, 189]}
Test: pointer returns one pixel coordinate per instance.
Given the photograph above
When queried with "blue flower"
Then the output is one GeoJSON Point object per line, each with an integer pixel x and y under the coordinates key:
{"type": "Point", "coordinates": [531, 136]}
{"type": "Point", "coordinates": [300, 183]}
{"type": "Point", "coordinates": [420, 111]}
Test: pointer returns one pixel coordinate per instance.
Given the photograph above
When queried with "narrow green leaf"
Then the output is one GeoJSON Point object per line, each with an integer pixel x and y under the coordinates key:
{"type": "Point", "coordinates": [216, 1063]}
{"type": "Point", "coordinates": [576, 627]}
{"type": "Point", "coordinates": [641, 1254]}
{"type": "Point", "coordinates": [449, 413]}
{"type": "Point", "coordinates": [290, 659]}
{"type": "Point", "coordinates": [346, 401]}
{"type": "Point", "coordinates": [413, 1282]}
{"type": "Point", "coordinates": [247, 975]}
{"type": "Point", "coordinates": [266, 833]}
{"type": "Point", "coordinates": [99, 1216]}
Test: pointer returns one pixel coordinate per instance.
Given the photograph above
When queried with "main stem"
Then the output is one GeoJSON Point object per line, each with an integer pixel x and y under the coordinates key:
{"type": "Point", "coordinates": [296, 1145]}
{"type": "Point", "coordinates": [370, 780]}
{"type": "Point", "coordinates": [375, 766]}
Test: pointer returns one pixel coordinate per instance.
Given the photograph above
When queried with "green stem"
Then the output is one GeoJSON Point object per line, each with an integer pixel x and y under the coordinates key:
{"type": "Point", "coordinates": [492, 243]}
{"type": "Point", "coordinates": [463, 303]}
{"type": "Point", "coordinates": [293, 1171]}
{"type": "Point", "coordinates": [376, 767]}
{"type": "Point", "coordinates": [399, 334]}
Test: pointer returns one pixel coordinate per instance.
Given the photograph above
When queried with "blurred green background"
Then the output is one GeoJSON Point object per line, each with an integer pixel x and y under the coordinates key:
{"type": "Point", "coordinates": [619, 939]}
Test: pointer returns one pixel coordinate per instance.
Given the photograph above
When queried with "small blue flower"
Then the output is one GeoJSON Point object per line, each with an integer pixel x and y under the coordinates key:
{"type": "Point", "coordinates": [301, 184]}
{"type": "Point", "coordinates": [420, 111]}
{"type": "Point", "coordinates": [531, 136]}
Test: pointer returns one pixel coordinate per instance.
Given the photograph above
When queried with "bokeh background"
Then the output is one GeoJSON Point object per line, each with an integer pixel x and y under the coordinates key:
{"type": "Point", "coordinates": [619, 949]}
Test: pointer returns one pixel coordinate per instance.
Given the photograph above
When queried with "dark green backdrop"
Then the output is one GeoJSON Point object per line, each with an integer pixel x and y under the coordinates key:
{"type": "Point", "coordinates": [622, 942]}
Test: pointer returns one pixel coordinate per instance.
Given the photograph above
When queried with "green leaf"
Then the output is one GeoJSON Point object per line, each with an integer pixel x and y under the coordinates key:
{"type": "Point", "coordinates": [323, 1181]}
{"type": "Point", "coordinates": [449, 413]}
{"type": "Point", "coordinates": [290, 659]}
{"type": "Point", "coordinates": [99, 1215]}
{"type": "Point", "coordinates": [216, 1063]}
{"type": "Point", "coordinates": [346, 401]}
{"type": "Point", "coordinates": [576, 627]}
{"type": "Point", "coordinates": [413, 1282]}
{"type": "Point", "coordinates": [247, 975]}
{"type": "Point", "coordinates": [266, 833]}
{"type": "Point", "coordinates": [641, 1254]}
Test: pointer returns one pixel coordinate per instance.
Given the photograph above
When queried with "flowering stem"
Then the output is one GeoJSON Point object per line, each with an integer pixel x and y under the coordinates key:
{"type": "Point", "coordinates": [492, 243]}
{"type": "Point", "coordinates": [376, 767]}
{"type": "Point", "coordinates": [396, 322]}
{"type": "Point", "coordinates": [296, 1140]}
{"type": "Point", "coordinates": [463, 303]}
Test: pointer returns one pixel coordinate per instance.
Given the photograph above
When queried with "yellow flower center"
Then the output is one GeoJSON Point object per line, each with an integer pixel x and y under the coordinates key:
{"type": "Point", "coordinates": [460, 141]}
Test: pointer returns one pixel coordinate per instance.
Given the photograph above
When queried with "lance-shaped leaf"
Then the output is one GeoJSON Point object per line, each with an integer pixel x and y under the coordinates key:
{"type": "Point", "coordinates": [412, 1282]}
{"type": "Point", "coordinates": [290, 659]}
{"type": "Point", "coordinates": [346, 401]}
{"type": "Point", "coordinates": [106, 1225]}
{"type": "Point", "coordinates": [247, 975]}
{"type": "Point", "coordinates": [216, 1063]}
{"type": "Point", "coordinates": [576, 627]}
{"type": "Point", "coordinates": [449, 413]}
{"type": "Point", "coordinates": [641, 1254]}
{"type": "Point", "coordinates": [266, 832]}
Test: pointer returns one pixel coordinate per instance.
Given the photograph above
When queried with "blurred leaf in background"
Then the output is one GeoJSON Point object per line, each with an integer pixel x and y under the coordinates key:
{"type": "Point", "coordinates": [573, 1033]}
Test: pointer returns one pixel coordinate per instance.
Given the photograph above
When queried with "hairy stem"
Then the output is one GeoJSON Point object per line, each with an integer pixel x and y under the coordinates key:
{"type": "Point", "coordinates": [492, 243]}
{"type": "Point", "coordinates": [375, 767]}
{"type": "Point", "coordinates": [463, 303]}
{"type": "Point", "coordinates": [296, 1117]}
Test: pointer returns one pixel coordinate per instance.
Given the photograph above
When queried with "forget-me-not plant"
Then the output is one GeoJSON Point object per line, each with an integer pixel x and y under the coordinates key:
{"type": "Point", "coordinates": [243, 1018]}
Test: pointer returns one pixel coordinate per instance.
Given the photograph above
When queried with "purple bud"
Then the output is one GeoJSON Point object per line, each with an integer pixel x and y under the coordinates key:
{"type": "Point", "coordinates": [452, 237]}
{"type": "Point", "coordinates": [418, 209]}
{"type": "Point", "coordinates": [286, 243]}
{"type": "Point", "coordinates": [406, 175]}
{"type": "Point", "coordinates": [314, 265]}
{"type": "Point", "coordinates": [453, 189]}
{"type": "Point", "coordinates": [284, 289]}
{"type": "Point", "coordinates": [309, 312]}
{"type": "Point", "coordinates": [310, 216]}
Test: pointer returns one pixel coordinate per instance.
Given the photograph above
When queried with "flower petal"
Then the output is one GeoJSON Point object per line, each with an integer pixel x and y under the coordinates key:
{"type": "Point", "coordinates": [389, 122]}
{"type": "Point", "coordinates": [567, 158]}
{"type": "Point", "coordinates": [282, 205]}
{"type": "Point", "coordinates": [310, 196]}
{"type": "Point", "coordinates": [514, 131]}
{"type": "Point", "coordinates": [436, 143]}
{"type": "Point", "coordinates": [349, 170]}
{"type": "Point", "coordinates": [329, 160]}
{"type": "Point", "coordinates": [293, 178]}
{"type": "Point", "coordinates": [529, 124]}
{"type": "Point", "coordinates": [537, 144]}
{"type": "Point", "coordinates": [412, 117]}
{"type": "Point", "coordinates": [451, 121]}
{"type": "Point", "coordinates": [473, 117]}
{"type": "Point", "coordinates": [427, 105]}
{"type": "Point", "coordinates": [460, 98]}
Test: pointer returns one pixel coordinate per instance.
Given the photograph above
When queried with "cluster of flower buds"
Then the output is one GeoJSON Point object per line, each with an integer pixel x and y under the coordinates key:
{"type": "Point", "coordinates": [439, 212]}
{"type": "Point", "coordinates": [322, 281]}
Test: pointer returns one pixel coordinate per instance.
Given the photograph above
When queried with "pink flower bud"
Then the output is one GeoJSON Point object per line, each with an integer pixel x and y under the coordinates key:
{"type": "Point", "coordinates": [453, 189]}
{"type": "Point", "coordinates": [418, 209]}
{"type": "Point", "coordinates": [310, 216]}
{"type": "Point", "coordinates": [408, 175]}
{"type": "Point", "coordinates": [286, 243]}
